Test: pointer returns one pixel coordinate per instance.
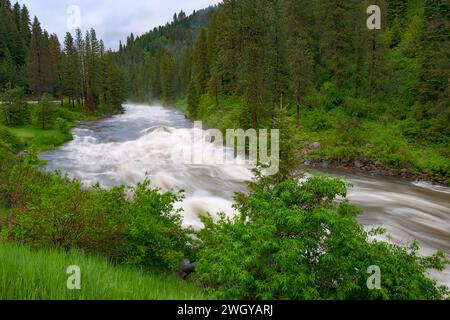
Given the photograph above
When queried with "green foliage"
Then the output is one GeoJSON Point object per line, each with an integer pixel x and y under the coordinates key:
{"type": "Point", "coordinates": [8, 139]}
{"type": "Point", "coordinates": [192, 100]}
{"type": "Point", "coordinates": [54, 211]}
{"type": "Point", "coordinates": [293, 241]}
{"type": "Point", "coordinates": [31, 136]}
{"type": "Point", "coordinates": [154, 237]}
{"type": "Point", "coordinates": [62, 125]}
{"type": "Point", "coordinates": [45, 113]}
{"type": "Point", "coordinates": [13, 107]}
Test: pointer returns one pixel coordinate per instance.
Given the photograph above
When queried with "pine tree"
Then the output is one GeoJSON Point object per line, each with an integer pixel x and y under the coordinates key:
{"type": "Point", "coordinates": [214, 85]}
{"type": "Point", "coordinates": [300, 57]}
{"type": "Point", "coordinates": [13, 107]}
{"type": "Point", "coordinates": [228, 46]}
{"type": "Point", "coordinates": [434, 85]}
{"type": "Point", "coordinates": [25, 23]}
{"type": "Point", "coordinates": [80, 49]}
{"type": "Point", "coordinates": [251, 61]}
{"type": "Point", "coordinates": [201, 68]}
{"type": "Point", "coordinates": [168, 82]}
{"type": "Point", "coordinates": [93, 52]}
{"type": "Point", "coordinates": [337, 34]}
{"type": "Point", "coordinates": [14, 41]}
{"type": "Point", "coordinates": [39, 62]}
{"type": "Point", "coordinates": [71, 76]}
{"type": "Point", "coordinates": [45, 112]}
{"type": "Point", "coordinates": [192, 101]}
{"type": "Point", "coordinates": [55, 67]}
{"type": "Point", "coordinates": [8, 70]}
{"type": "Point", "coordinates": [275, 43]}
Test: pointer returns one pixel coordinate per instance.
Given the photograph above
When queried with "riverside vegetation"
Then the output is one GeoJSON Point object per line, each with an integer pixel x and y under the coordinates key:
{"type": "Point", "coordinates": [291, 239]}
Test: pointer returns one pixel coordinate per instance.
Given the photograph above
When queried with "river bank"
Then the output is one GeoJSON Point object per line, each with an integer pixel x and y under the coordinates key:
{"type": "Point", "coordinates": [31, 136]}
{"type": "Point", "coordinates": [332, 140]}
{"type": "Point", "coordinates": [367, 166]}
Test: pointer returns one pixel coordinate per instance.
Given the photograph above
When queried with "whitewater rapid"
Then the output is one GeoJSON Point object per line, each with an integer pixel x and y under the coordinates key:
{"type": "Point", "coordinates": [152, 142]}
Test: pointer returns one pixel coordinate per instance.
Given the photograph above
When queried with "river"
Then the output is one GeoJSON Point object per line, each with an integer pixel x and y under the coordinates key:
{"type": "Point", "coordinates": [147, 140]}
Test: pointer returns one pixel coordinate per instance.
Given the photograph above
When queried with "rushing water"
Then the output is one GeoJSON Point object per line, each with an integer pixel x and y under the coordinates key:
{"type": "Point", "coordinates": [124, 148]}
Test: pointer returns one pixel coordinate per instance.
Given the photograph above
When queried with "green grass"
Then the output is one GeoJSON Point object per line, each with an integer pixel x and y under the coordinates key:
{"type": "Point", "coordinates": [26, 274]}
{"type": "Point", "coordinates": [383, 143]}
{"type": "Point", "coordinates": [41, 139]}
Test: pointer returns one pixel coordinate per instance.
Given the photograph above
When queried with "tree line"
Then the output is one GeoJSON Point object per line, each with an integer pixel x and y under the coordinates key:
{"type": "Point", "coordinates": [80, 70]}
{"type": "Point", "coordinates": [301, 51]}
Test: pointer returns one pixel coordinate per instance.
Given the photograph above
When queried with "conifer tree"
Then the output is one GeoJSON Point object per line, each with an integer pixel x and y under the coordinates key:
{"type": "Point", "coordinates": [45, 112]}
{"type": "Point", "coordinates": [38, 65]}
{"type": "Point", "coordinates": [192, 100]}
{"type": "Point", "coordinates": [200, 67]}
{"type": "Point", "coordinates": [71, 76]}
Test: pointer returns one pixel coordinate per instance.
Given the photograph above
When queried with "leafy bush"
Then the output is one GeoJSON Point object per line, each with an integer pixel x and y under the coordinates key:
{"type": "Point", "coordinates": [62, 125]}
{"type": "Point", "coordinates": [317, 120]}
{"type": "Point", "coordinates": [13, 107]}
{"type": "Point", "coordinates": [330, 95]}
{"type": "Point", "coordinates": [45, 113]}
{"type": "Point", "coordinates": [154, 236]}
{"type": "Point", "coordinates": [293, 241]}
{"type": "Point", "coordinates": [358, 108]}
{"type": "Point", "coordinates": [8, 139]}
{"type": "Point", "coordinates": [55, 211]}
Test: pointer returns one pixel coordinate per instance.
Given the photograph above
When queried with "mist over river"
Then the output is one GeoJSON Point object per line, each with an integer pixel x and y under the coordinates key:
{"type": "Point", "coordinates": [146, 139]}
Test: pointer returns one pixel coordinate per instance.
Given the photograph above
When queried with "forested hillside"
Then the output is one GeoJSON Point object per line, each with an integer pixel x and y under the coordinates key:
{"type": "Point", "coordinates": [375, 99]}
{"type": "Point", "coordinates": [166, 52]}
{"type": "Point", "coordinates": [34, 62]}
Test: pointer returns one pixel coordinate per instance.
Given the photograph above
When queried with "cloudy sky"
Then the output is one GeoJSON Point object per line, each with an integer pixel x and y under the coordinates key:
{"type": "Point", "coordinates": [113, 20]}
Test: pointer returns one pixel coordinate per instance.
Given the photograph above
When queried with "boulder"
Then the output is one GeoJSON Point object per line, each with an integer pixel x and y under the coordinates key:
{"type": "Point", "coordinates": [358, 164]}
{"type": "Point", "coordinates": [187, 267]}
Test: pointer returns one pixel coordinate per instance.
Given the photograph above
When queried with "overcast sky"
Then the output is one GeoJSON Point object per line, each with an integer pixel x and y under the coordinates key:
{"type": "Point", "coordinates": [113, 20]}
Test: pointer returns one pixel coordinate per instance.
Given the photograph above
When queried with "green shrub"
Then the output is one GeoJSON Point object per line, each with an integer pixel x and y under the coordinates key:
{"type": "Point", "coordinates": [358, 108]}
{"type": "Point", "coordinates": [62, 125]}
{"type": "Point", "coordinates": [330, 96]}
{"type": "Point", "coordinates": [14, 109]}
{"type": "Point", "coordinates": [317, 120]}
{"type": "Point", "coordinates": [9, 139]}
{"type": "Point", "coordinates": [293, 241]}
{"type": "Point", "coordinates": [45, 113]}
{"type": "Point", "coordinates": [50, 210]}
{"type": "Point", "coordinates": [154, 236]}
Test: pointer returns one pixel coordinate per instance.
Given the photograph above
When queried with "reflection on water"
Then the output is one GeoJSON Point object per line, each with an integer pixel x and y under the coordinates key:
{"type": "Point", "coordinates": [122, 149]}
